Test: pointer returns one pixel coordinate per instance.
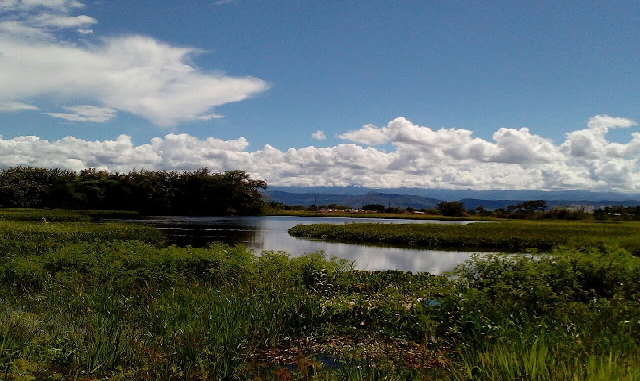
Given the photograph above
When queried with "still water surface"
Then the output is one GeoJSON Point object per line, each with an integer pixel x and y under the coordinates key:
{"type": "Point", "coordinates": [270, 233]}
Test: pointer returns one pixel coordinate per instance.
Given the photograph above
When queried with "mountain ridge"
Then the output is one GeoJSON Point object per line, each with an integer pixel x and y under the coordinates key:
{"type": "Point", "coordinates": [400, 200]}
{"type": "Point", "coordinates": [458, 194]}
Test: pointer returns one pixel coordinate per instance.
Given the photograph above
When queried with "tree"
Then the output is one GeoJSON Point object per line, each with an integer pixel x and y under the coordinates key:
{"type": "Point", "coordinates": [244, 192]}
{"type": "Point", "coordinates": [481, 211]}
{"type": "Point", "coordinates": [451, 208]}
{"type": "Point", "coordinates": [527, 209]}
{"type": "Point", "coordinates": [374, 207]}
{"type": "Point", "coordinates": [152, 192]}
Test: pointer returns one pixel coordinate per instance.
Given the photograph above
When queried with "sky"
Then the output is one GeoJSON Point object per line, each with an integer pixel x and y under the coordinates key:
{"type": "Point", "coordinates": [431, 94]}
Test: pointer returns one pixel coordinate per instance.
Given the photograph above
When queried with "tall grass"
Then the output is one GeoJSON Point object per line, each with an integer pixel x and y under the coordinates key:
{"type": "Point", "coordinates": [494, 236]}
{"type": "Point", "coordinates": [540, 361]}
{"type": "Point", "coordinates": [80, 300]}
{"type": "Point", "coordinates": [18, 238]}
{"type": "Point", "coordinates": [61, 215]}
{"type": "Point", "coordinates": [568, 315]}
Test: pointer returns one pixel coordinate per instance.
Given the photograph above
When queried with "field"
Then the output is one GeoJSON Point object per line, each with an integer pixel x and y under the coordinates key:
{"type": "Point", "coordinates": [94, 301]}
{"type": "Point", "coordinates": [509, 235]}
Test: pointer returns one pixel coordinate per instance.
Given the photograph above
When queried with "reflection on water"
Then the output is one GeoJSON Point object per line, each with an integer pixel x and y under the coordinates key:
{"type": "Point", "coordinates": [270, 233]}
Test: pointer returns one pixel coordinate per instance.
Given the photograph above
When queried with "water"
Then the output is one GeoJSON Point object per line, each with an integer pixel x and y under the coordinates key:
{"type": "Point", "coordinates": [270, 233]}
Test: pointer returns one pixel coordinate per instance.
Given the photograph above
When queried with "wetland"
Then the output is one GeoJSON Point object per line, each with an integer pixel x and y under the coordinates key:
{"type": "Point", "coordinates": [91, 300]}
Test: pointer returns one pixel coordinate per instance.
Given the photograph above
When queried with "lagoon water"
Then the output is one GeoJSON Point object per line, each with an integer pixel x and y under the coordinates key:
{"type": "Point", "coordinates": [270, 233]}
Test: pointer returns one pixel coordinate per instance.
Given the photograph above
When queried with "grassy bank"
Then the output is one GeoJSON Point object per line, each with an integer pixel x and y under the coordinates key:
{"type": "Point", "coordinates": [80, 300]}
{"type": "Point", "coordinates": [512, 235]}
{"type": "Point", "coordinates": [61, 215]}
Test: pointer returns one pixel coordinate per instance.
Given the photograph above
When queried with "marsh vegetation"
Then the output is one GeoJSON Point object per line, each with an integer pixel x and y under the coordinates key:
{"type": "Point", "coordinates": [504, 235]}
{"type": "Point", "coordinates": [82, 300]}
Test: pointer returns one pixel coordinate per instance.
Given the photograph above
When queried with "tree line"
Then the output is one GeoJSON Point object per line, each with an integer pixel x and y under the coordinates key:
{"type": "Point", "coordinates": [199, 192]}
{"type": "Point", "coordinates": [623, 213]}
{"type": "Point", "coordinates": [530, 210]}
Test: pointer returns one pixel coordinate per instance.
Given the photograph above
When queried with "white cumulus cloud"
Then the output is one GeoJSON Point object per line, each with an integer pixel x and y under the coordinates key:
{"type": "Point", "coordinates": [413, 141]}
{"type": "Point", "coordinates": [591, 143]}
{"type": "Point", "coordinates": [319, 135]}
{"type": "Point", "coordinates": [368, 134]}
{"type": "Point", "coordinates": [134, 74]}
{"type": "Point", "coordinates": [446, 158]}
{"type": "Point", "coordinates": [605, 122]}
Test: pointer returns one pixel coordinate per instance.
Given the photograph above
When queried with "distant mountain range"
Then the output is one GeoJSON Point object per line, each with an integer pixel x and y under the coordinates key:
{"type": "Point", "coordinates": [355, 201]}
{"type": "Point", "coordinates": [429, 198]}
{"type": "Point", "coordinates": [458, 194]}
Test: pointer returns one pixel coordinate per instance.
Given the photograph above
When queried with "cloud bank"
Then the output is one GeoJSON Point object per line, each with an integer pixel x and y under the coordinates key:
{"type": "Point", "coordinates": [134, 74]}
{"type": "Point", "coordinates": [422, 157]}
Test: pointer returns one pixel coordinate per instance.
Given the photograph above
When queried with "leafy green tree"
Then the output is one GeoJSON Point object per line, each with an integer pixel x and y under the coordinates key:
{"type": "Point", "coordinates": [528, 206]}
{"type": "Point", "coordinates": [481, 211]}
{"type": "Point", "coordinates": [152, 192]}
{"type": "Point", "coordinates": [374, 207]}
{"type": "Point", "coordinates": [451, 208]}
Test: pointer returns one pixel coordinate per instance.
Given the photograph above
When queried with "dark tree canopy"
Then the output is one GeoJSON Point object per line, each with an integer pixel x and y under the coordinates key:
{"type": "Point", "coordinates": [528, 207]}
{"type": "Point", "coordinates": [374, 207]}
{"type": "Point", "coordinates": [451, 208]}
{"type": "Point", "coordinates": [198, 192]}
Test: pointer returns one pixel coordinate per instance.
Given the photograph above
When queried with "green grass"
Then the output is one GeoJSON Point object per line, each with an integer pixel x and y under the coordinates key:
{"type": "Point", "coordinates": [569, 315]}
{"type": "Point", "coordinates": [82, 300]}
{"type": "Point", "coordinates": [23, 238]}
{"type": "Point", "coordinates": [539, 361]}
{"type": "Point", "coordinates": [61, 215]}
{"type": "Point", "coordinates": [509, 235]}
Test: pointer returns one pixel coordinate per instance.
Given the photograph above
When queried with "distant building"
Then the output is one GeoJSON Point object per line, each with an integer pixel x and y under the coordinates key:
{"type": "Point", "coordinates": [588, 209]}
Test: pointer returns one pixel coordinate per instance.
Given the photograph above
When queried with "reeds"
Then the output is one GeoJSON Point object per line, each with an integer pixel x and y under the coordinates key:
{"type": "Point", "coordinates": [493, 236]}
{"type": "Point", "coordinates": [80, 300]}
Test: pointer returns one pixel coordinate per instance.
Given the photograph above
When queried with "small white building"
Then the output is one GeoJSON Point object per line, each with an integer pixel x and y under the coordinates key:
{"type": "Point", "coordinates": [588, 209]}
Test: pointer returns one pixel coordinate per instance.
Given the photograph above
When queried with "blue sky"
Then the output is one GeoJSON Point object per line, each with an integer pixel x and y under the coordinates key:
{"type": "Point", "coordinates": [245, 74]}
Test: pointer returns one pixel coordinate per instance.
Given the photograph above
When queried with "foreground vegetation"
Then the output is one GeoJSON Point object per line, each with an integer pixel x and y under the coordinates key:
{"type": "Point", "coordinates": [80, 300]}
{"type": "Point", "coordinates": [506, 235]}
